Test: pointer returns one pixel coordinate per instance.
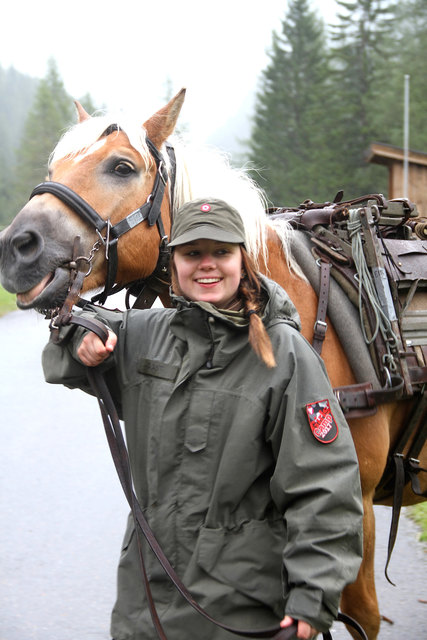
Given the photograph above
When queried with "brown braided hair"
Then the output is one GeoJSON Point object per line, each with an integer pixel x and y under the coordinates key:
{"type": "Point", "coordinates": [250, 296]}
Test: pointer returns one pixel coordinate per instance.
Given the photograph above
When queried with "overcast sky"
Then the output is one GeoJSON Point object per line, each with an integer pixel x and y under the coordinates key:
{"type": "Point", "coordinates": [123, 53]}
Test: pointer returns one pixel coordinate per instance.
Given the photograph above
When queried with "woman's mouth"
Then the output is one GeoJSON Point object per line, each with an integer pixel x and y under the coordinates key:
{"type": "Point", "coordinates": [206, 282]}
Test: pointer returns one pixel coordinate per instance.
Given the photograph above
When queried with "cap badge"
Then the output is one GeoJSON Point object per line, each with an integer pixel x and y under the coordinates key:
{"type": "Point", "coordinates": [205, 207]}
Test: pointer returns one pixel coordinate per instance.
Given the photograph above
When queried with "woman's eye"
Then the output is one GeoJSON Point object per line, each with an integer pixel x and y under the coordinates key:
{"type": "Point", "coordinates": [123, 169]}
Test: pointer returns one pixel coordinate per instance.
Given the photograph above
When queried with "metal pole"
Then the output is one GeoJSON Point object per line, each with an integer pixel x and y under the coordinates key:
{"type": "Point", "coordinates": [406, 138]}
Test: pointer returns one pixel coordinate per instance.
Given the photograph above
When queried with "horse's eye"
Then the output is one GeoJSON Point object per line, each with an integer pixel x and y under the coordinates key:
{"type": "Point", "coordinates": [123, 168]}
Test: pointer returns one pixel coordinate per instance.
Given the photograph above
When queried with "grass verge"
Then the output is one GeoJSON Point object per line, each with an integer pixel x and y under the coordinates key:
{"type": "Point", "coordinates": [7, 302]}
{"type": "Point", "coordinates": [418, 513]}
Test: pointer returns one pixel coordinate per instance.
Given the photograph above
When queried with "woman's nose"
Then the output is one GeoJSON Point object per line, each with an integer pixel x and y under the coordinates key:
{"type": "Point", "coordinates": [207, 261]}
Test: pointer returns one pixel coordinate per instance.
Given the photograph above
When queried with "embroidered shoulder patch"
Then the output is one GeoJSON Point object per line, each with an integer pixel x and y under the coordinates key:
{"type": "Point", "coordinates": [322, 422]}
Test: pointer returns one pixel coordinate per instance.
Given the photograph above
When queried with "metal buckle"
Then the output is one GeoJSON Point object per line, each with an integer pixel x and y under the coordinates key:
{"type": "Point", "coordinates": [160, 168]}
{"type": "Point", "coordinates": [105, 241]}
{"type": "Point", "coordinates": [322, 324]}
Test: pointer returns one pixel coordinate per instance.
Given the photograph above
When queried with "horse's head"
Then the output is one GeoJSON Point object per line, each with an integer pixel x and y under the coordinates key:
{"type": "Point", "coordinates": [113, 169]}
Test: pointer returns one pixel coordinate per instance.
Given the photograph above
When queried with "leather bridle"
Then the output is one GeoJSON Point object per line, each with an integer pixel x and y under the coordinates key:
{"type": "Point", "coordinates": [109, 234]}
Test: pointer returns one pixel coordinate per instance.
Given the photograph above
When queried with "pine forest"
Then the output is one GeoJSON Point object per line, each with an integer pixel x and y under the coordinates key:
{"type": "Point", "coordinates": [327, 93]}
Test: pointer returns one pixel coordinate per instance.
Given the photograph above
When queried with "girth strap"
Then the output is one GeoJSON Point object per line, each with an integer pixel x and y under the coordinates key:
{"type": "Point", "coordinates": [360, 399]}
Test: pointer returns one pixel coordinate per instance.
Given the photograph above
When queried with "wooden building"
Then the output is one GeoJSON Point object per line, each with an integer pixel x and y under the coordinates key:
{"type": "Point", "coordinates": [393, 158]}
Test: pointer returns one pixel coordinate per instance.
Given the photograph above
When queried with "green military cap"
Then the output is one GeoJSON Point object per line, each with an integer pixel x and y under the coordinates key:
{"type": "Point", "coordinates": [207, 218]}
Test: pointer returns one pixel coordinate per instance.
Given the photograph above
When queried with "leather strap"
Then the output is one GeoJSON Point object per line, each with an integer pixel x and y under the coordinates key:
{"type": "Point", "coordinates": [320, 325]}
{"type": "Point", "coordinates": [358, 400]}
{"type": "Point", "coordinates": [406, 465]}
{"type": "Point", "coordinates": [418, 375]}
{"type": "Point", "coordinates": [399, 474]}
{"type": "Point", "coordinates": [413, 464]}
{"type": "Point", "coordinates": [73, 200]}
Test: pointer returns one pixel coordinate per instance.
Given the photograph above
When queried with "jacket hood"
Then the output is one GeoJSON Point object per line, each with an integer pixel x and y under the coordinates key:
{"type": "Point", "coordinates": [279, 306]}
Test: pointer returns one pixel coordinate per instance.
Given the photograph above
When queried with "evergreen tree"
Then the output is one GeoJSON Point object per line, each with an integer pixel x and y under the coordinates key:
{"type": "Point", "coordinates": [408, 42]}
{"type": "Point", "coordinates": [361, 57]}
{"type": "Point", "coordinates": [16, 94]}
{"type": "Point", "coordinates": [33, 114]}
{"type": "Point", "coordinates": [51, 113]}
{"type": "Point", "coordinates": [289, 143]}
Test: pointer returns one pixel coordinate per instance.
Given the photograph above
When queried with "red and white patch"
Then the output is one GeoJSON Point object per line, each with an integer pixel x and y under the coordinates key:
{"type": "Point", "coordinates": [322, 422]}
{"type": "Point", "coordinates": [205, 207]}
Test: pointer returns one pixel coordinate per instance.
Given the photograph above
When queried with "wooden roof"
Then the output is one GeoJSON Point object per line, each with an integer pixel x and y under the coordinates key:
{"type": "Point", "coordinates": [380, 153]}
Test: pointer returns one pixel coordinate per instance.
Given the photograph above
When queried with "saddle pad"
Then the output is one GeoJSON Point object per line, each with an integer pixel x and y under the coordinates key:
{"type": "Point", "coordinates": [341, 312]}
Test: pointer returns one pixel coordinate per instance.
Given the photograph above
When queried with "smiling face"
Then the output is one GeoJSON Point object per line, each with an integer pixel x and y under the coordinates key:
{"type": "Point", "coordinates": [209, 271]}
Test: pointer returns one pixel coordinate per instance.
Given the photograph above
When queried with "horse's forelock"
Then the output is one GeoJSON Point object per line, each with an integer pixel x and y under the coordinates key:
{"type": "Point", "coordinates": [204, 172]}
{"type": "Point", "coordinates": [80, 137]}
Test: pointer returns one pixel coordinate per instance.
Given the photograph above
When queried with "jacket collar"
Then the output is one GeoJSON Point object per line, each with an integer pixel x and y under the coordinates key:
{"type": "Point", "coordinates": [278, 307]}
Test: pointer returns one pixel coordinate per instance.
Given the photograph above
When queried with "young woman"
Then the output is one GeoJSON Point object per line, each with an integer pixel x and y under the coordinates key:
{"type": "Point", "coordinates": [242, 460]}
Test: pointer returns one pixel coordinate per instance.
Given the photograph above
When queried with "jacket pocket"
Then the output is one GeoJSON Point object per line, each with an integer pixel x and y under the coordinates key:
{"type": "Point", "coordinates": [197, 428]}
{"type": "Point", "coordinates": [249, 559]}
{"type": "Point", "coordinates": [157, 369]}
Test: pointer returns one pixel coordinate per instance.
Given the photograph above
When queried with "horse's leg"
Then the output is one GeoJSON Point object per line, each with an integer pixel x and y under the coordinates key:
{"type": "Point", "coordinates": [372, 440]}
{"type": "Point", "coordinates": [359, 600]}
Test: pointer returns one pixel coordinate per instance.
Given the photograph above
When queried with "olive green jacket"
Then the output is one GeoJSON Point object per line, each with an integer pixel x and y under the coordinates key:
{"type": "Point", "coordinates": [257, 516]}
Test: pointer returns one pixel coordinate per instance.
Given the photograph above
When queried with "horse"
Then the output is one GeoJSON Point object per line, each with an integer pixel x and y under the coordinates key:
{"type": "Point", "coordinates": [117, 169]}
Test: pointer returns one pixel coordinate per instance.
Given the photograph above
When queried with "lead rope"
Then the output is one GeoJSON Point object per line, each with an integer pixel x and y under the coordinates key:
{"type": "Point", "coordinates": [365, 281]}
{"type": "Point", "coordinates": [382, 322]}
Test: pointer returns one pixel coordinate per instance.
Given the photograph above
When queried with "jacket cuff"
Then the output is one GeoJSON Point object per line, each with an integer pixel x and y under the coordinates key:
{"type": "Point", "coordinates": [308, 605]}
{"type": "Point", "coordinates": [63, 334]}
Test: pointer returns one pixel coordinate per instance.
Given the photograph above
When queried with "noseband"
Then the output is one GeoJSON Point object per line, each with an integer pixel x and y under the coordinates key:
{"type": "Point", "coordinates": [150, 211]}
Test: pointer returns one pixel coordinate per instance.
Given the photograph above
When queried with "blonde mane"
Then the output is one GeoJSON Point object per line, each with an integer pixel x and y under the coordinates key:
{"type": "Point", "coordinates": [201, 172]}
{"type": "Point", "coordinates": [80, 137]}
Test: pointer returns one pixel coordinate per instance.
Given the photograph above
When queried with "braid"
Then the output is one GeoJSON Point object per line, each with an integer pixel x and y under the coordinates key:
{"type": "Point", "coordinates": [250, 294]}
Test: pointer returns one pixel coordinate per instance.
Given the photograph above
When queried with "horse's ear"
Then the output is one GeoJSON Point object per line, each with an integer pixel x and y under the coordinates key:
{"type": "Point", "coordinates": [162, 124]}
{"type": "Point", "coordinates": [82, 114]}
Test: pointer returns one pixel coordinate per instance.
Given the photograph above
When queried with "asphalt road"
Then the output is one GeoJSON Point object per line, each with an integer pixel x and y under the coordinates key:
{"type": "Point", "coordinates": [62, 511]}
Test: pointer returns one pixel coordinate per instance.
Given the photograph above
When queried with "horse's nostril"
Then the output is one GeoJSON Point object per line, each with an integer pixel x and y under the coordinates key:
{"type": "Point", "coordinates": [28, 244]}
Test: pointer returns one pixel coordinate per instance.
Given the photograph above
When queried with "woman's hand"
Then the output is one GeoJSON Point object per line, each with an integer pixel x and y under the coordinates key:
{"type": "Point", "coordinates": [92, 351]}
{"type": "Point", "coordinates": [305, 631]}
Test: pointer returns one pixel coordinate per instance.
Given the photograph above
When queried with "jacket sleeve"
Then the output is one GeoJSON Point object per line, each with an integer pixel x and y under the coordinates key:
{"type": "Point", "coordinates": [317, 488]}
{"type": "Point", "coordinates": [61, 364]}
